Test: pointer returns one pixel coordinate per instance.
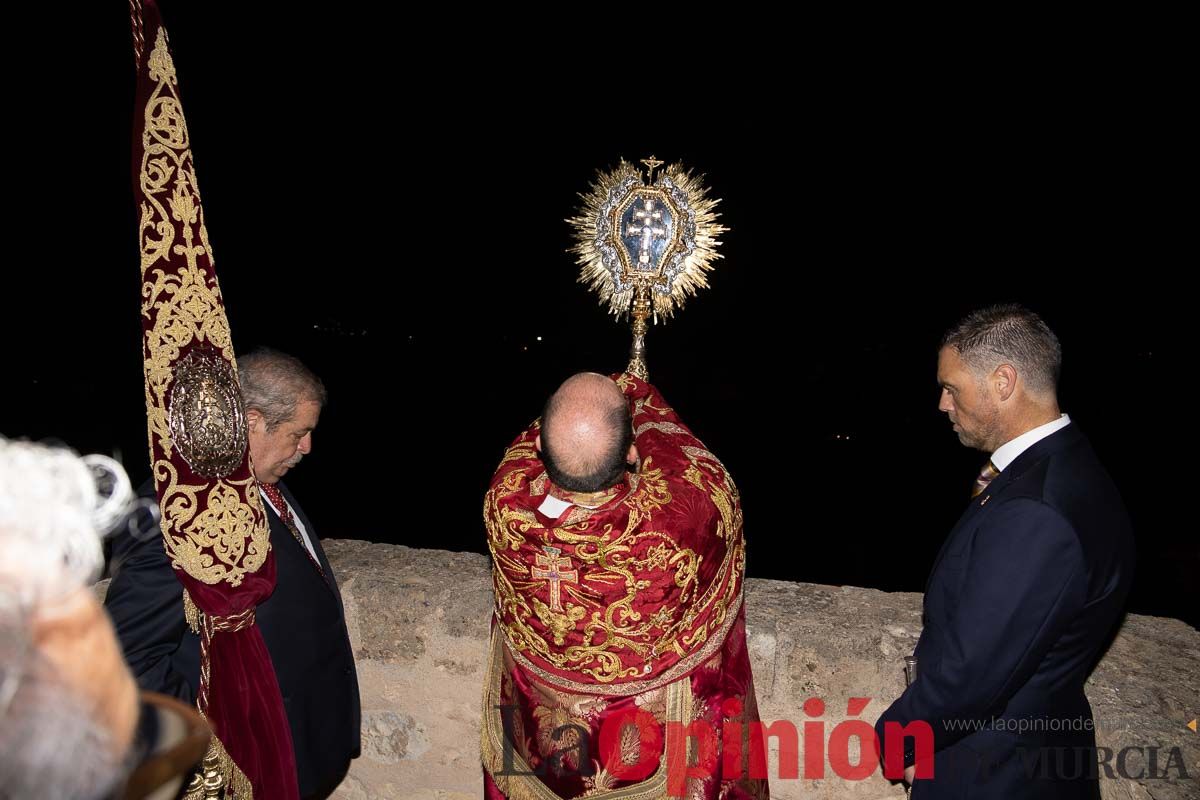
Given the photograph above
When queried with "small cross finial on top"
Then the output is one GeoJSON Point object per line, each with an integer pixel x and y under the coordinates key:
{"type": "Point", "coordinates": [652, 164]}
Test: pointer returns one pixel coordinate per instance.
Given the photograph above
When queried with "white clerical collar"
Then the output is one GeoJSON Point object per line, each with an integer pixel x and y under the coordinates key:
{"type": "Point", "coordinates": [553, 507]}
{"type": "Point", "coordinates": [1008, 452]}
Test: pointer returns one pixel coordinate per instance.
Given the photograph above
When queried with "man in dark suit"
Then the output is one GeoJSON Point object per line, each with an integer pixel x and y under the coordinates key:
{"type": "Point", "coordinates": [303, 622]}
{"type": "Point", "coordinates": [1028, 588]}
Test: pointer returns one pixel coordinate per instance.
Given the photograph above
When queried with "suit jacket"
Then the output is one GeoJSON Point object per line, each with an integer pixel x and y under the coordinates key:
{"type": "Point", "coordinates": [1021, 603]}
{"type": "Point", "coordinates": [302, 623]}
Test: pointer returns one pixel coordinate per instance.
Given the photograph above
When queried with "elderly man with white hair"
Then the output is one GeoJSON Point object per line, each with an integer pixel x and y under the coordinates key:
{"type": "Point", "coordinates": [71, 725]}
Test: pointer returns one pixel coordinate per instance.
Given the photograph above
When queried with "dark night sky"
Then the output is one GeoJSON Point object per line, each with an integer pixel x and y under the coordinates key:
{"type": "Point", "coordinates": [396, 220]}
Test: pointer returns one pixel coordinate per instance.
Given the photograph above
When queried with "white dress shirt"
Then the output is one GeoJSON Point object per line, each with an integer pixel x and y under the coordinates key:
{"type": "Point", "coordinates": [1008, 452]}
{"type": "Point", "coordinates": [299, 525]}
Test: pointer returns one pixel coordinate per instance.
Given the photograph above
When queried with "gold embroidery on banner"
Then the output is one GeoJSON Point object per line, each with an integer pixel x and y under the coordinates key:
{"type": "Point", "coordinates": [191, 614]}
{"type": "Point", "coordinates": [229, 538]}
{"type": "Point", "coordinates": [206, 414]}
{"type": "Point", "coordinates": [223, 542]}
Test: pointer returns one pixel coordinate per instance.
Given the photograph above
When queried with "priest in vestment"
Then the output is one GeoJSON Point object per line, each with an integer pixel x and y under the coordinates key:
{"type": "Point", "coordinates": [618, 561]}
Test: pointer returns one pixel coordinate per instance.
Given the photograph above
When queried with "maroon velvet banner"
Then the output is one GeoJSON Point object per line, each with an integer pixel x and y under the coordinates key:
{"type": "Point", "coordinates": [213, 525]}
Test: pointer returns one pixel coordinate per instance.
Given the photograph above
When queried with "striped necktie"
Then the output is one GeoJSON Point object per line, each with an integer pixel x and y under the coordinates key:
{"type": "Point", "coordinates": [285, 513]}
{"type": "Point", "coordinates": [986, 475]}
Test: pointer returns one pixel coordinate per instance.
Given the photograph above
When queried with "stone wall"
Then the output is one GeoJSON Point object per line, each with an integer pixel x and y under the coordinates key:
{"type": "Point", "coordinates": [419, 620]}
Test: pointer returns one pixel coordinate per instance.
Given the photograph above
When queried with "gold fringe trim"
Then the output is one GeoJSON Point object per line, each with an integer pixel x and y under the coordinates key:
{"type": "Point", "coordinates": [237, 785]}
{"type": "Point", "coordinates": [191, 613]}
{"type": "Point", "coordinates": [530, 787]}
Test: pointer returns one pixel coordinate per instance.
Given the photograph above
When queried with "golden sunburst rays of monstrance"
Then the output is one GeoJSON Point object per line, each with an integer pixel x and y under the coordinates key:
{"type": "Point", "coordinates": [645, 243]}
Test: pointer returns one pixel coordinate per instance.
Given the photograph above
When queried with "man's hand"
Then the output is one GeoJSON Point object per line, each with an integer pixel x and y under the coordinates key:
{"type": "Point", "coordinates": [909, 773]}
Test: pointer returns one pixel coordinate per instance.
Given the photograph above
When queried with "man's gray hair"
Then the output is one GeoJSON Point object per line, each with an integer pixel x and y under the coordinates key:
{"type": "Point", "coordinates": [53, 506]}
{"type": "Point", "coordinates": [1009, 334]}
{"type": "Point", "coordinates": [275, 384]}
